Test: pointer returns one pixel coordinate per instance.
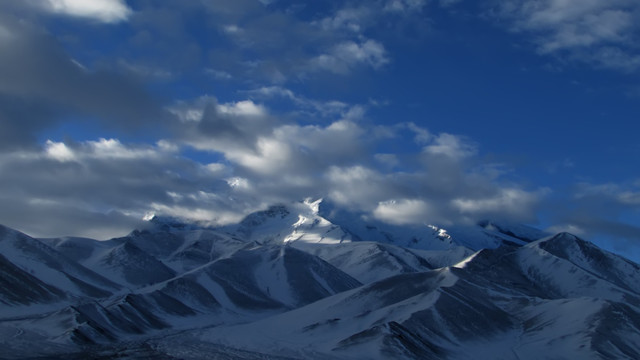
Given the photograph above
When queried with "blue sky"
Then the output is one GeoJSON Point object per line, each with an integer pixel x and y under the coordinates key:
{"type": "Point", "coordinates": [406, 111]}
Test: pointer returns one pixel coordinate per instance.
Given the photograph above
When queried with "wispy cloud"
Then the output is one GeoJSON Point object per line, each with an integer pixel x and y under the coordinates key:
{"type": "Point", "coordinates": [343, 57]}
{"type": "Point", "coordinates": [598, 32]}
{"type": "Point", "coordinates": [608, 210]}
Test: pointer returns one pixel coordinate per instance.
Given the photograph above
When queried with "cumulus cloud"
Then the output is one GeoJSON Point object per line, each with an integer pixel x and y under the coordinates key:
{"type": "Point", "coordinates": [228, 127]}
{"type": "Point", "coordinates": [59, 151]}
{"type": "Point", "coordinates": [599, 32]}
{"type": "Point", "coordinates": [264, 159]}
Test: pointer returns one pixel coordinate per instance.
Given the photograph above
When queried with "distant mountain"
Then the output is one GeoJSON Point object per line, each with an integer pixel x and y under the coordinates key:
{"type": "Point", "coordinates": [300, 281]}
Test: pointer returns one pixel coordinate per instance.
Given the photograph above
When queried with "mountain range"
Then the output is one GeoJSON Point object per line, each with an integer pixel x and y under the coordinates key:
{"type": "Point", "coordinates": [303, 281]}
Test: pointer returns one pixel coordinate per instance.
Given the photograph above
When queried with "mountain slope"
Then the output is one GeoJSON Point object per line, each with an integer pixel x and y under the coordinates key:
{"type": "Point", "coordinates": [51, 267]}
{"type": "Point", "coordinates": [118, 259]}
{"type": "Point", "coordinates": [288, 283]}
{"type": "Point", "coordinates": [488, 307]}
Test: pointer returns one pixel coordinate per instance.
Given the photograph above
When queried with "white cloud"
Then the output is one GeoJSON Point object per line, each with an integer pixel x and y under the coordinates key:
{"type": "Point", "coordinates": [269, 158]}
{"type": "Point", "coordinates": [451, 146]}
{"type": "Point", "coordinates": [356, 187]}
{"type": "Point", "coordinates": [287, 161]}
{"type": "Point", "coordinates": [104, 149]}
{"type": "Point", "coordinates": [59, 151]}
{"type": "Point", "coordinates": [167, 146]}
{"type": "Point", "coordinates": [600, 32]}
{"type": "Point", "coordinates": [344, 56]}
{"type": "Point", "coordinates": [113, 148]}
{"type": "Point", "coordinates": [404, 212]}
{"type": "Point", "coordinates": [107, 11]}
{"type": "Point", "coordinates": [243, 108]}
{"type": "Point", "coordinates": [507, 202]}
{"type": "Point", "coordinates": [202, 215]}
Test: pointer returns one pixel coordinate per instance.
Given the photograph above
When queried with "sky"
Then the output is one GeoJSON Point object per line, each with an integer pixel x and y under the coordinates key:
{"type": "Point", "coordinates": [408, 112]}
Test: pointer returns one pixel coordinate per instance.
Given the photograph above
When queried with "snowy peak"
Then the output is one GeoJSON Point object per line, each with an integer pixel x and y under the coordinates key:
{"type": "Point", "coordinates": [336, 288]}
{"type": "Point", "coordinates": [297, 222]}
{"type": "Point", "coordinates": [590, 258]}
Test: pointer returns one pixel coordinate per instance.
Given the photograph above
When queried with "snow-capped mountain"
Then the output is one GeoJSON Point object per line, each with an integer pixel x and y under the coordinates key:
{"type": "Point", "coordinates": [302, 281]}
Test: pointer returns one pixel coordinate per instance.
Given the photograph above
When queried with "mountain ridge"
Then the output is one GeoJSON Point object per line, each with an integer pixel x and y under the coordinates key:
{"type": "Point", "coordinates": [288, 282]}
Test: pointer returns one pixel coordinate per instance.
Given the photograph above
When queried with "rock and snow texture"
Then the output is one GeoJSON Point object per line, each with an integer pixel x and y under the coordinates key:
{"type": "Point", "coordinates": [298, 282]}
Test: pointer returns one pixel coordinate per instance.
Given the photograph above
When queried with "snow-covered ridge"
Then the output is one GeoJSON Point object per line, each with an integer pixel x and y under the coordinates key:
{"type": "Point", "coordinates": [297, 281]}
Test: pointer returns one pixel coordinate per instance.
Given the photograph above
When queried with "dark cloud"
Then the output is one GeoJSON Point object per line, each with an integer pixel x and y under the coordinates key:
{"type": "Point", "coordinates": [41, 84]}
{"type": "Point", "coordinates": [21, 119]}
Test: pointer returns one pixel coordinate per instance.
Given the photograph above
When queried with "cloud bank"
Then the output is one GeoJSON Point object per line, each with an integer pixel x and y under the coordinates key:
{"type": "Point", "coordinates": [264, 158]}
{"type": "Point", "coordinates": [210, 111]}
